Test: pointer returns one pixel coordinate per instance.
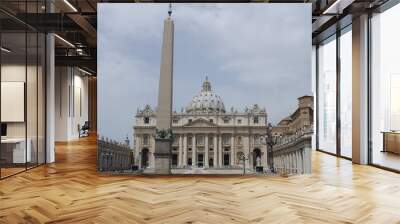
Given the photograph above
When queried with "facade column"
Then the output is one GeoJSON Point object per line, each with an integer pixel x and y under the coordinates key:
{"type": "Point", "coordinates": [232, 150]}
{"type": "Point", "coordinates": [184, 150]}
{"type": "Point", "coordinates": [264, 158]}
{"type": "Point", "coordinates": [247, 153]}
{"type": "Point", "coordinates": [206, 151]}
{"type": "Point", "coordinates": [220, 151]}
{"type": "Point", "coordinates": [180, 151]}
{"type": "Point", "coordinates": [137, 150]}
{"type": "Point", "coordinates": [152, 148]}
{"type": "Point", "coordinates": [215, 147]}
{"type": "Point", "coordinates": [194, 151]}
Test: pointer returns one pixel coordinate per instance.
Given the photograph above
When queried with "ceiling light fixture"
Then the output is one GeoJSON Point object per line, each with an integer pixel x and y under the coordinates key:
{"type": "Point", "coordinates": [337, 7]}
{"type": "Point", "coordinates": [5, 50]}
{"type": "Point", "coordinates": [84, 71]}
{"type": "Point", "coordinates": [70, 5]}
{"type": "Point", "coordinates": [64, 40]}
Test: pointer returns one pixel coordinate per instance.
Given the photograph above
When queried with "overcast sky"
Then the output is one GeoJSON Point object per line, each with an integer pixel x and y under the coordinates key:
{"type": "Point", "coordinates": [252, 54]}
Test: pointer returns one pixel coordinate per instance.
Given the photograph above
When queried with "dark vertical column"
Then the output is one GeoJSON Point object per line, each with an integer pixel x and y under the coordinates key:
{"type": "Point", "coordinates": [317, 97]}
{"type": "Point", "coordinates": [338, 81]}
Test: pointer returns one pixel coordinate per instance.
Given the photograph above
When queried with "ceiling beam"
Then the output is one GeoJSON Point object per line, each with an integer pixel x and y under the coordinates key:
{"type": "Point", "coordinates": [78, 61]}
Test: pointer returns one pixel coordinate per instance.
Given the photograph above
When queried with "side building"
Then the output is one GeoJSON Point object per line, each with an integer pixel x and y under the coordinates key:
{"type": "Point", "coordinates": [300, 119]}
{"type": "Point", "coordinates": [206, 135]}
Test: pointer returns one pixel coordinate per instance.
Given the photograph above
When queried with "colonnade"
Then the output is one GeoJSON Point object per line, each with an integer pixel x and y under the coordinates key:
{"type": "Point", "coordinates": [211, 150]}
{"type": "Point", "coordinates": [297, 161]}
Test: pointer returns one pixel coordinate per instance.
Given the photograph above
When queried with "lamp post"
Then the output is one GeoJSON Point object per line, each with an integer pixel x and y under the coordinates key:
{"type": "Point", "coordinates": [243, 158]}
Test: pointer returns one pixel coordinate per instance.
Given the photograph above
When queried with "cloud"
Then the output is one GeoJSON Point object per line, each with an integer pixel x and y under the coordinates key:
{"type": "Point", "coordinates": [252, 53]}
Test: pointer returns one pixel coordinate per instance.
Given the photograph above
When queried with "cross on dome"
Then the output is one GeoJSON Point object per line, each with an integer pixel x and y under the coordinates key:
{"type": "Point", "coordinates": [206, 85]}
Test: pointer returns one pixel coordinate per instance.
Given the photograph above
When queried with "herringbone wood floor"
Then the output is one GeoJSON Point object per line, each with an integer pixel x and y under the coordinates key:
{"type": "Point", "coordinates": [70, 191]}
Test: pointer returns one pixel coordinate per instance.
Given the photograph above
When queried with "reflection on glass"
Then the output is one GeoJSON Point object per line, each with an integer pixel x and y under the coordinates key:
{"type": "Point", "coordinates": [31, 100]}
{"type": "Point", "coordinates": [14, 153]}
{"type": "Point", "coordinates": [327, 95]}
{"type": "Point", "coordinates": [386, 89]}
{"type": "Point", "coordinates": [346, 94]}
{"type": "Point", "coordinates": [41, 99]}
{"type": "Point", "coordinates": [22, 91]}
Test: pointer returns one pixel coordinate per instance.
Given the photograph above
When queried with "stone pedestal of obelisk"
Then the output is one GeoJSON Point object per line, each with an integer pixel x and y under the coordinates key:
{"type": "Point", "coordinates": [163, 141]}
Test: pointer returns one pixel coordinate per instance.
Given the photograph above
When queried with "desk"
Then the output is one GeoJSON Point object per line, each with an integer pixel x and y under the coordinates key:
{"type": "Point", "coordinates": [391, 141]}
{"type": "Point", "coordinates": [13, 150]}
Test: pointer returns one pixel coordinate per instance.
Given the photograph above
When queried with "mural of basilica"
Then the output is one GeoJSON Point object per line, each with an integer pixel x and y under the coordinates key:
{"type": "Point", "coordinates": [206, 136]}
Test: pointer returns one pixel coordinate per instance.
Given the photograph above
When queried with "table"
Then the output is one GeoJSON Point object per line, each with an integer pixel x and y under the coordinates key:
{"type": "Point", "coordinates": [391, 141]}
{"type": "Point", "coordinates": [13, 150]}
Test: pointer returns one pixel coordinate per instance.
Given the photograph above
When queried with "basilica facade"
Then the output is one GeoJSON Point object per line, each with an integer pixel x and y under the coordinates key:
{"type": "Point", "coordinates": [206, 136]}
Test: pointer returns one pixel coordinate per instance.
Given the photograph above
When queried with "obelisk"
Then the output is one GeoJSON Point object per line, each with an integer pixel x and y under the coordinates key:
{"type": "Point", "coordinates": [164, 135]}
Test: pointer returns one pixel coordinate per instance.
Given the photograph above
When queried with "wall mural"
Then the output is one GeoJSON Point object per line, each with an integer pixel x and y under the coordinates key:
{"type": "Point", "coordinates": [204, 89]}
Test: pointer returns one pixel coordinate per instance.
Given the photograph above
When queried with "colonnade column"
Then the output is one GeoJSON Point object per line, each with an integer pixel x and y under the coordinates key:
{"type": "Point", "coordinates": [206, 151]}
{"type": "Point", "coordinates": [220, 150]}
{"type": "Point", "coordinates": [215, 147]}
{"type": "Point", "coordinates": [299, 162]}
{"type": "Point", "coordinates": [232, 150]}
{"type": "Point", "coordinates": [184, 150]}
{"type": "Point", "coordinates": [294, 162]}
{"type": "Point", "coordinates": [180, 151]}
{"type": "Point", "coordinates": [194, 151]}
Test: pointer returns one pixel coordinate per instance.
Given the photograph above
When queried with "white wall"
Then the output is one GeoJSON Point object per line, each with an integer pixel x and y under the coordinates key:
{"type": "Point", "coordinates": [71, 102]}
{"type": "Point", "coordinates": [33, 127]}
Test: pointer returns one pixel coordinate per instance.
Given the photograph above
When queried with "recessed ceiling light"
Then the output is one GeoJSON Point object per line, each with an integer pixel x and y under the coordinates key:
{"type": "Point", "coordinates": [337, 7]}
{"type": "Point", "coordinates": [64, 40]}
{"type": "Point", "coordinates": [84, 71]}
{"type": "Point", "coordinates": [5, 50]}
{"type": "Point", "coordinates": [70, 5]}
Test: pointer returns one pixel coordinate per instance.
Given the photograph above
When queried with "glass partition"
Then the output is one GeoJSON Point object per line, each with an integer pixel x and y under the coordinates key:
{"type": "Point", "coordinates": [31, 99]}
{"type": "Point", "coordinates": [22, 90]}
{"type": "Point", "coordinates": [13, 108]}
{"type": "Point", "coordinates": [385, 89]}
{"type": "Point", "coordinates": [327, 95]}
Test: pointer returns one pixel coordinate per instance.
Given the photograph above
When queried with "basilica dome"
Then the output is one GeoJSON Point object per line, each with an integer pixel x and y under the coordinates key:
{"type": "Point", "coordinates": [206, 101]}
